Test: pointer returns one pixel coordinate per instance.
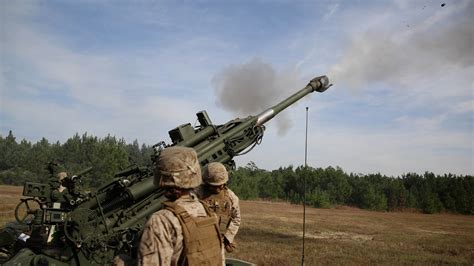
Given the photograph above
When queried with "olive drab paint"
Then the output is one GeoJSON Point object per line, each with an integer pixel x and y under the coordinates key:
{"type": "Point", "coordinates": [100, 225]}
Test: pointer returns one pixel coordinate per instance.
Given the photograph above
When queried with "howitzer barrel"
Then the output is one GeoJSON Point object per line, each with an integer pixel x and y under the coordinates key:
{"type": "Point", "coordinates": [318, 84]}
{"type": "Point", "coordinates": [233, 140]}
{"type": "Point", "coordinates": [83, 172]}
{"type": "Point", "coordinates": [108, 222]}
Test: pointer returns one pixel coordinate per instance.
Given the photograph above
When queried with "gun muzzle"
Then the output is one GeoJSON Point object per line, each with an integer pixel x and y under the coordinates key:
{"type": "Point", "coordinates": [319, 84]}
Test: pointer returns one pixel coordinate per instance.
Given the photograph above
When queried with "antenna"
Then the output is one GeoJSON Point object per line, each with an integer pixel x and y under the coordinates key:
{"type": "Point", "coordinates": [304, 184]}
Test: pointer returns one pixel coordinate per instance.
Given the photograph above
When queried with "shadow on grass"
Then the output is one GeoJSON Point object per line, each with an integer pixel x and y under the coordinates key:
{"type": "Point", "coordinates": [263, 234]}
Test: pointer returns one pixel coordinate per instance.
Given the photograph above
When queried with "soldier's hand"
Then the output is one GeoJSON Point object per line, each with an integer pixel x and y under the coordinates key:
{"type": "Point", "coordinates": [229, 247]}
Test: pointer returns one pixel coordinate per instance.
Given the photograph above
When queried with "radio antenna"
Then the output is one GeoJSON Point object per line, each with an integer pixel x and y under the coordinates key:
{"type": "Point", "coordinates": [304, 184]}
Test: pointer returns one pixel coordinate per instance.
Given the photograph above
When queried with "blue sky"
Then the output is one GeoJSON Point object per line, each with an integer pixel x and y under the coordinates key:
{"type": "Point", "coordinates": [402, 99]}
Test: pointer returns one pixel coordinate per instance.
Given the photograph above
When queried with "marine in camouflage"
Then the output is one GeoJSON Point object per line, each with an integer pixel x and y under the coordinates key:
{"type": "Point", "coordinates": [223, 201]}
{"type": "Point", "coordinates": [215, 174]}
{"type": "Point", "coordinates": [162, 242]}
{"type": "Point", "coordinates": [177, 167]}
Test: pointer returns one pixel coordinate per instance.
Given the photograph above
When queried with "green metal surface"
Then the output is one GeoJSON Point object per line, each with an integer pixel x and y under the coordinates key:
{"type": "Point", "coordinates": [91, 228]}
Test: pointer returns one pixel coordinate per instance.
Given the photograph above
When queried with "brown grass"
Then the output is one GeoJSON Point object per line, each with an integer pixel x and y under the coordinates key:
{"type": "Point", "coordinates": [9, 198]}
{"type": "Point", "coordinates": [271, 232]}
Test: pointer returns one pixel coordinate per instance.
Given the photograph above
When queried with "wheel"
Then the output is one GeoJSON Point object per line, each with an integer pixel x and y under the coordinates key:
{"type": "Point", "coordinates": [26, 209]}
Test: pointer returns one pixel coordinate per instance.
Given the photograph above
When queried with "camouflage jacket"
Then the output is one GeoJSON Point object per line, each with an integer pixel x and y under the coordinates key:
{"type": "Point", "coordinates": [162, 238]}
{"type": "Point", "coordinates": [226, 205]}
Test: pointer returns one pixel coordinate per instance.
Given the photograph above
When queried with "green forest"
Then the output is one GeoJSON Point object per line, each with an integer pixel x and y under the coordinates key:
{"type": "Point", "coordinates": [22, 161]}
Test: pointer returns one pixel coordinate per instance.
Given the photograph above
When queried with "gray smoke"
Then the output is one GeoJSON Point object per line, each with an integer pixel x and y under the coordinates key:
{"type": "Point", "coordinates": [250, 88]}
{"type": "Point", "coordinates": [426, 49]}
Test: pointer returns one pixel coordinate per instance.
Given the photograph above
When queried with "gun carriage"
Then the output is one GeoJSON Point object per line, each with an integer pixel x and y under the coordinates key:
{"type": "Point", "coordinates": [91, 228]}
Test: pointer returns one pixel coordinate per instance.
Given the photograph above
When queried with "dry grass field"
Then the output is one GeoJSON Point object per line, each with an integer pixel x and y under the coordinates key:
{"type": "Point", "coordinates": [271, 235]}
{"type": "Point", "coordinates": [9, 198]}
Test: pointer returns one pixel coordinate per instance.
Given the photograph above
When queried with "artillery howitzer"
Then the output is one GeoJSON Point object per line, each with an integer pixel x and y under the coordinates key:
{"type": "Point", "coordinates": [91, 228]}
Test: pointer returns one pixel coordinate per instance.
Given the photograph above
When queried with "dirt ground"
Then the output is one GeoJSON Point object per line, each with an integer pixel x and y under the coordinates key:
{"type": "Point", "coordinates": [271, 234]}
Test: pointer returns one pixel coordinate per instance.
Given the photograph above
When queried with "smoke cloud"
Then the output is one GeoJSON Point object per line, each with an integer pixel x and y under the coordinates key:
{"type": "Point", "coordinates": [426, 48]}
{"type": "Point", "coordinates": [250, 88]}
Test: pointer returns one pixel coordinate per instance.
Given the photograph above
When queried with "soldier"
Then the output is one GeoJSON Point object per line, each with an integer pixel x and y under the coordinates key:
{"type": "Point", "coordinates": [15, 236]}
{"type": "Point", "coordinates": [58, 173]}
{"type": "Point", "coordinates": [185, 232]}
{"type": "Point", "coordinates": [219, 198]}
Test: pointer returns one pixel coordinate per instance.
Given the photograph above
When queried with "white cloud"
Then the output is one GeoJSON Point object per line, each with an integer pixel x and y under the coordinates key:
{"type": "Point", "coordinates": [90, 79]}
{"type": "Point", "coordinates": [149, 121]}
{"type": "Point", "coordinates": [427, 123]}
{"type": "Point", "coordinates": [463, 107]}
{"type": "Point", "coordinates": [391, 53]}
{"type": "Point", "coordinates": [130, 96]}
{"type": "Point", "coordinates": [104, 100]}
{"type": "Point", "coordinates": [51, 88]}
{"type": "Point", "coordinates": [391, 152]}
{"type": "Point", "coordinates": [331, 10]}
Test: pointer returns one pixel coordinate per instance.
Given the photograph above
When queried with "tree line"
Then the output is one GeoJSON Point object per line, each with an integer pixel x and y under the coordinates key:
{"type": "Point", "coordinates": [23, 161]}
{"type": "Point", "coordinates": [324, 187]}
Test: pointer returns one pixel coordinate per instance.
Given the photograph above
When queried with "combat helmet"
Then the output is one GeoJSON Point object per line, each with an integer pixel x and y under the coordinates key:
{"type": "Point", "coordinates": [215, 174]}
{"type": "Point", "coordinates": [177, 167]}
{"type": "Point", "coordinates": [56, 169]}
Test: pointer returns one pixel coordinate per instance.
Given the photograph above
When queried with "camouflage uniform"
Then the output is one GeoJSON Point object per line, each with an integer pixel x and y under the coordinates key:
{"type": "Point", "coordinates": [58, 173]}
{"type": "Point", "coordinates": [225, 203]}
{"type": "Point", "coordinates": [163, 237]}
